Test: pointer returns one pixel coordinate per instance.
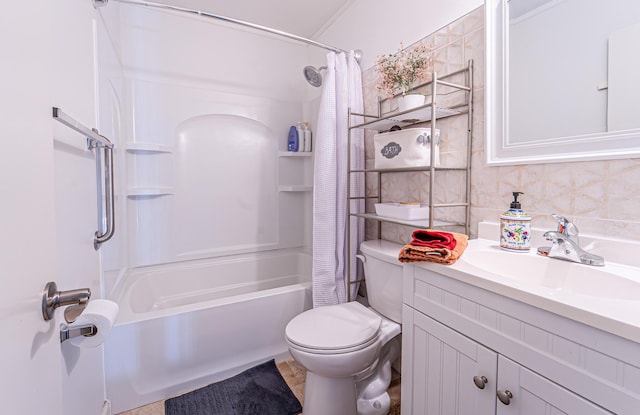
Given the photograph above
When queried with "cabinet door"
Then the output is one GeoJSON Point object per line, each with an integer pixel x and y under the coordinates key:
{"type": "Point", "coordinates": [438, 369]}
{"type": "Point", "coordinates": [531, 394]}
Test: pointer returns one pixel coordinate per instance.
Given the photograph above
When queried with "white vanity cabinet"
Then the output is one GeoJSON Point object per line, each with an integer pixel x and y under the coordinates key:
{"type": "Point", "coordinates": [528, 393]}
{"type": "Point", "coordinates": [453, 375]}
{"type": "Point", "coordinates": [438, 369]}
{"type": "Point", "coordinates": [464, 345]}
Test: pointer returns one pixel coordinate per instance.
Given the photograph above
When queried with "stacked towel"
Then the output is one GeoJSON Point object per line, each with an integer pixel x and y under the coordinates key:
{"type": "Point", "coordinates": [433, 239]}
{"type": "Point", "coordinates": [434, 246]}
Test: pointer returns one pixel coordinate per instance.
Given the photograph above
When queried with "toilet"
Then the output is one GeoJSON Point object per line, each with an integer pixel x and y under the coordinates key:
{"type": "Point", "coordinates": [348, 349]}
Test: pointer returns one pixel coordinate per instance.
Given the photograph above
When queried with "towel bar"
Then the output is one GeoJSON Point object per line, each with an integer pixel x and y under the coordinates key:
{"type": "Point", "coordinates": [97, 142]}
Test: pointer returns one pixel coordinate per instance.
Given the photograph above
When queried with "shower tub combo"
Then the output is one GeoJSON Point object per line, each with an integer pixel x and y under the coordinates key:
{"type": "Point", "coordinates": [184, 325]}
{"type": "Point", "coordinates": [214, 274]}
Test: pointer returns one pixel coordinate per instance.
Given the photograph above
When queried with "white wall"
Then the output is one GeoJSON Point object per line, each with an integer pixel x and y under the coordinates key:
{"type": "Point", "coordinates": [367, 25]}
{"type": "Point", "coordinates": [199, 50]}
{"type": "Point", "coordinates": [377, 26]}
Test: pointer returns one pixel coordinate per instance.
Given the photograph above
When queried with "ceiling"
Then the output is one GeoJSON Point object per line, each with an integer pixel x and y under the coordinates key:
{"type": "Point", "coordinates": [306, 18]}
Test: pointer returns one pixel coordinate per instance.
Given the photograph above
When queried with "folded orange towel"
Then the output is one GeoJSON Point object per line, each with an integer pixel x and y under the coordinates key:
{"type": "Point", "coordinates": [413, 253]}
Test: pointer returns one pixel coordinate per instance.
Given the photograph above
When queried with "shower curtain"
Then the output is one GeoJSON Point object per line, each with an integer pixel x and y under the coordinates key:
{"type": "Point", "coordinates": [342, 90]}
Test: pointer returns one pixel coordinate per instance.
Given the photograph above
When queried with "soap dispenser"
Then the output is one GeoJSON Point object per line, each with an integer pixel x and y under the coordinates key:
{"type": "Point", "coordinates": [515, 227]}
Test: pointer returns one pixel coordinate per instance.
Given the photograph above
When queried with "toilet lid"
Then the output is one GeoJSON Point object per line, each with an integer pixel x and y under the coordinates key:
{"type": "Point", "coordinates": [334, 327]}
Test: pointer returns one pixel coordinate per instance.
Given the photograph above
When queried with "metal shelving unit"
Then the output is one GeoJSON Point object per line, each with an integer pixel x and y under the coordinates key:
{"type": "Point", "coordinates": [422, 114]}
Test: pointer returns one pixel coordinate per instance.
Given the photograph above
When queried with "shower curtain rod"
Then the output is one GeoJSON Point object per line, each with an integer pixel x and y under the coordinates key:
{"type": "Point", "coordinates": [99, 3]}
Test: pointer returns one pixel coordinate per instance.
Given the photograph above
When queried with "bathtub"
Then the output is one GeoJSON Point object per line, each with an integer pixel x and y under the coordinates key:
{"type": "Point", "coordinates": [182, 326]}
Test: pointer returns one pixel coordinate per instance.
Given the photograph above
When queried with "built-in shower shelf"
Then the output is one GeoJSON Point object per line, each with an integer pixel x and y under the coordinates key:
{"type": "Point", "coordinates": [149, 191]}
{"type": "Point", "coordinates": [148, 148]}
{"type": "Point", "coordinates": [295, 188]}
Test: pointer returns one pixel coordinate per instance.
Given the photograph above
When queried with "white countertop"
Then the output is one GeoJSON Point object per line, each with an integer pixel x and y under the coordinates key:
{"type": "Point", "coordinates": [607, 297]}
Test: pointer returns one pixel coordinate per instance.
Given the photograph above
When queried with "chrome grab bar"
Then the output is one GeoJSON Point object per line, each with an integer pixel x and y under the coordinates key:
{"type": "Point", "coordinates": [97, 141]}
{"type": "Point", "coordinates": [103, 237]}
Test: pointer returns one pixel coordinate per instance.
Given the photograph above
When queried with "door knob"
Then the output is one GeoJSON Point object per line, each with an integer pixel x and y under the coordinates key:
{"type": "Point", "coordinates": [52, 299]}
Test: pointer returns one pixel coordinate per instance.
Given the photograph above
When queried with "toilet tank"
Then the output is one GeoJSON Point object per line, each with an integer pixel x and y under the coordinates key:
{"type": "Point", "coordinates": [383, 276]}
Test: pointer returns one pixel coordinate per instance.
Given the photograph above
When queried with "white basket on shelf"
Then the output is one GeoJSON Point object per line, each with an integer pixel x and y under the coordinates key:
{"type": "Point", "coordinates": [406, 211]}
{"type": "Point", "coordinates": [405, 148]}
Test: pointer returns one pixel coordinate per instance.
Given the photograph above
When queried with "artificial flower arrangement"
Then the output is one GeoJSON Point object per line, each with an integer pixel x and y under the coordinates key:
{"type": "Point", "coordinates": [398, 72]}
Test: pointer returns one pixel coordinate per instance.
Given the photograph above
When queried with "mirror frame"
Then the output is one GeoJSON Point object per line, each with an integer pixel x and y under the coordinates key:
{"type": "Point", "coordinates": [498, 150]}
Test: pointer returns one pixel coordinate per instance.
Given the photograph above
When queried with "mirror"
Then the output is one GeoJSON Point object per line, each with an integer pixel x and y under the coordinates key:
{"type": "Point", "coordinates": [560, 80]}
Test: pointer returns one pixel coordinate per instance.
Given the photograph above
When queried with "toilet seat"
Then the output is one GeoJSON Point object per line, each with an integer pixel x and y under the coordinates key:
{"type": "Point", "coordinates": [335, 329]}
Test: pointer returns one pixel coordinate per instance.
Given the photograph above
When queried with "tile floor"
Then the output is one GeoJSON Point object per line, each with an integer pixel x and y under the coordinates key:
{"type": "Point", "coordinates": [294, 375]}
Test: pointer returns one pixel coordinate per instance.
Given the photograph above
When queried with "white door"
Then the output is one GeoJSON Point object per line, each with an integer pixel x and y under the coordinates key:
{"type": "Point", "coordinates": [73, 86]}
{"type": "Point", "coordinates": [48, 204]}
{"type": "Point", "coordinates": [30, 382]}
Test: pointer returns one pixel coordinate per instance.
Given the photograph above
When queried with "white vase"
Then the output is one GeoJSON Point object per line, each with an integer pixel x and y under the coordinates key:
{"type": "Point", "coordinates": [409, 101]}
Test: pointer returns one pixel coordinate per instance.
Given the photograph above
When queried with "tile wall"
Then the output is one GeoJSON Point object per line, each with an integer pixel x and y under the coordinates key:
{"type": "Point", "coordinates": [601, 197]}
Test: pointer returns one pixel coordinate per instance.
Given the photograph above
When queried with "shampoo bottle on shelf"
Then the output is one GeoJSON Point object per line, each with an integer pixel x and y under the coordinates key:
{"type": "Point", "coordinates": [515, 227]}
{"type": "Point", "coordinates": [293, 140]}
{"type": "Point", "coordinates": [307, 137]}
{"type": "Point", "coordinates": [300, 129]}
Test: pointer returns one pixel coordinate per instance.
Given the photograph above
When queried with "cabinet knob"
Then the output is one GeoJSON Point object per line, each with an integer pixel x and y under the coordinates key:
{"type": "Point", "coordinates": [480, 381]}
{"type": "Point", "coordinates": [505, 396]}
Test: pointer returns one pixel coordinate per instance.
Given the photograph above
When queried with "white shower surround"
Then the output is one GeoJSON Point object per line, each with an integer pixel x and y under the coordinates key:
{"type": "Point", "coordinates": [211, 257]}
{"type": "Point", "coordinates": [167, 93]}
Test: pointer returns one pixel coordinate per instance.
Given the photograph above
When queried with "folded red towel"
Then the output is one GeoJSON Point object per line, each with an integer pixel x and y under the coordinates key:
{"type": "Point", "coordinates": [416, 253]}
{"type": "Point", "coordinates": [433, 239]}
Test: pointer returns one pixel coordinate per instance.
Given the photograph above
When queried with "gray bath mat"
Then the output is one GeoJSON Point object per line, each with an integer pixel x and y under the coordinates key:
{"type": "Point", "coordinates": [260, 390]}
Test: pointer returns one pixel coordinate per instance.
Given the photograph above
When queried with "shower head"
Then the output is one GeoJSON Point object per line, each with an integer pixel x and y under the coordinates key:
{"type": "Point", "coordinates": [313, 76]}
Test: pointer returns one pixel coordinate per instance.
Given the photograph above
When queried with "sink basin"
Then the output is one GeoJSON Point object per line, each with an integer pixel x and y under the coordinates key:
{"type": "Point", "coordinates": [606, 297]}
{"type": "Point", "coordinates": [557, 277]}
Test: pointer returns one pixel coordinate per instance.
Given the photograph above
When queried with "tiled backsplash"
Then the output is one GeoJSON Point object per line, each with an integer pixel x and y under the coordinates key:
{"type": "Point", "coordinates": [601, 197]}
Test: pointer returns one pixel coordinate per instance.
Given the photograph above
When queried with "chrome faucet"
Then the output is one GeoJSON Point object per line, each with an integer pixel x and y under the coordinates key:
{"type": "Point", "coordinates": [566, 245]}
